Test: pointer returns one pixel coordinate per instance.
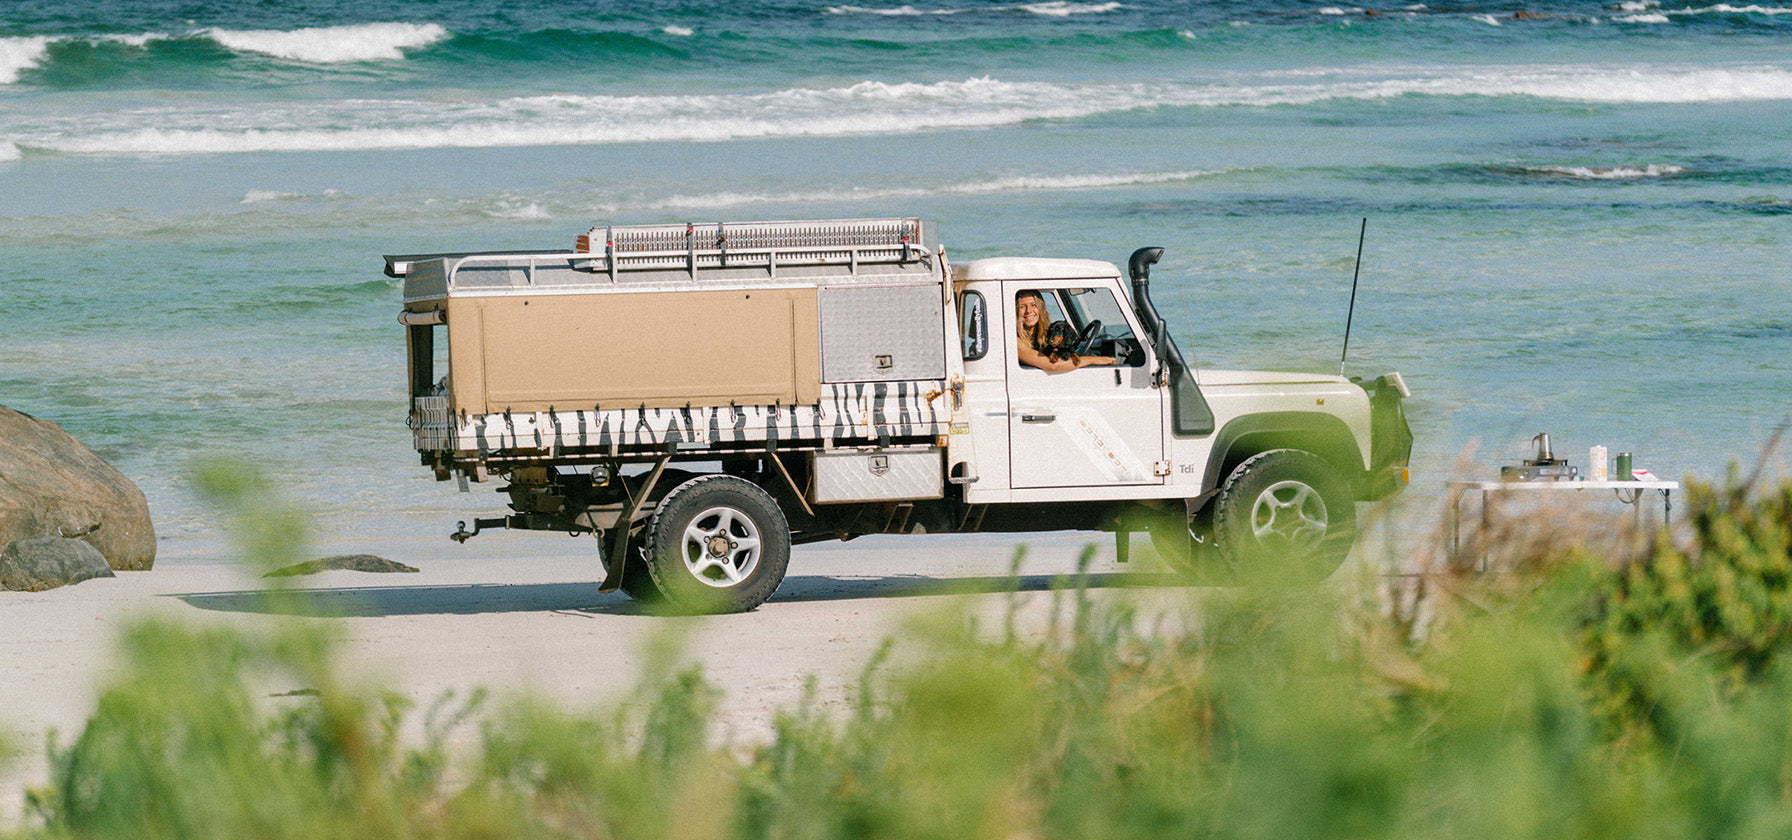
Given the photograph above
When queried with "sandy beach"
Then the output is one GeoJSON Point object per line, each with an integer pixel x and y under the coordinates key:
{"type": "Point", "coordinates": [521, 613]}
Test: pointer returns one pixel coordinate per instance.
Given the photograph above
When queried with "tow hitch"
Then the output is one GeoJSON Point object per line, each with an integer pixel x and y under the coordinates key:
{"type": "Point", "coordinates": [461, 534]}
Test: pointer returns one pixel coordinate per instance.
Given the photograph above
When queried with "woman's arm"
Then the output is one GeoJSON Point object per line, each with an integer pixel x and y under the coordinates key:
{"type": "Point", "coordinates": [1034, 358]}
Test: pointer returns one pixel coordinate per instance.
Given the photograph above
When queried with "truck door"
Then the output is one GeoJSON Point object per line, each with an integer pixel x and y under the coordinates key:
{"type": "Point", "coordinates": [1096, 426]}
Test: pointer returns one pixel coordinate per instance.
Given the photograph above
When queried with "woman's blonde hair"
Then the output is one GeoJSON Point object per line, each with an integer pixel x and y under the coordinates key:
{"type": "Point", "coordinates": [1035, 339]}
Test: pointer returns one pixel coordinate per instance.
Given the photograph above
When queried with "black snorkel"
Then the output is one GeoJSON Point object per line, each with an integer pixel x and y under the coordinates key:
{"type": "Point", "coordinates": [1138, 267]}
{"type": "Point", "coordinates": [1189, 413]}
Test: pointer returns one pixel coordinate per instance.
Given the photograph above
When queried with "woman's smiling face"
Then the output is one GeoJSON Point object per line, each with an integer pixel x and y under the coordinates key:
{"type": "Point", "coordinates": [1028, 310]}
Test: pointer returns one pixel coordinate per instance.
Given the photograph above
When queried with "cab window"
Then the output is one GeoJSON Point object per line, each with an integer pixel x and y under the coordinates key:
{"type": "Point", "coordinates": [1115, 337]}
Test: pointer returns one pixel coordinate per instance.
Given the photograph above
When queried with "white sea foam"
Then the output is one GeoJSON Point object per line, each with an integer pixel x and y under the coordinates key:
{"type": "Point", "coordinates": [9, 152]}
{"type": "Point", "coordinates": [674, 29]}
{"type": "Point", "coordinates": [20, 54]}
{"type": "Point", "coordinates": [864, 108]}
{"type": "Point", "coordinates": [1651, 17]}
{"type": "Point", "coordinates": [332, 44]}
{"type": "Point", "coordinates": [1608, 173]}
{"type": "Point", "coordinates": [138, 40]}
{"type": "Point", "coordinates": [1054, 8]}
{"type": "Point", "coordinates": [1014, 183]}
{"type": "Point", "coordinates": [263, 196]}
{"type": "Point", "coordinates": [1074, 182]}
{"type": "Point", "coordinates": [510, 209]}
{"type": "Point", "coordinates": [1638, 5]}
{"type": "Point", "coordinates": [1059, 8]}
{"type": "Point", "coordinates": [1727, 9]}
{"type": "Point", "coordinates": [1490, 20]}
{"type": "Point", "coordinates": [1331, 10]}
{"type": "Point", "coordinates": [899, 11]}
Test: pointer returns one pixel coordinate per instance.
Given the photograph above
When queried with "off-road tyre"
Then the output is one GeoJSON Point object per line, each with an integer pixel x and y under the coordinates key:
{"type": "Point", "coordinates": [1284, 517]}
{"type": "Point", "coordinates": [700, 552]}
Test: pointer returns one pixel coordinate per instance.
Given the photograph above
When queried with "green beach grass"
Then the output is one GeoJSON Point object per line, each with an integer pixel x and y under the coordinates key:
{"type": "Point", "coordinates": [1562, 696]}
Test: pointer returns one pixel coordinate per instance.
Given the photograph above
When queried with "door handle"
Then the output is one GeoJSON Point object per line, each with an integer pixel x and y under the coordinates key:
{"type": "Point", "coordinates": [1037, 417]}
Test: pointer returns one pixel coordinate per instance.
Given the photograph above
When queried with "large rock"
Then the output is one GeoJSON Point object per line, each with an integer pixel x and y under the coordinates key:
{"type": "Point", "coordinates": [343, 562]}
{"type": "Point", "coordinates": [48, 562]}
{"type": "Point", "coordinates": [51, 485]}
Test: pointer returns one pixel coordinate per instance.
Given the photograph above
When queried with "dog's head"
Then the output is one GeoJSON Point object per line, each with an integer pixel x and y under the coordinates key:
{"type": "Point", "coordinates": [1058, 338]}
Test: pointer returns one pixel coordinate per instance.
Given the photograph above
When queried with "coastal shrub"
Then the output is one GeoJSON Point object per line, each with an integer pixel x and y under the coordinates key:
{"type": "Point", "coordinates": [1570, 697]}
{"type": "Point", "coordinates": [1722, 596]}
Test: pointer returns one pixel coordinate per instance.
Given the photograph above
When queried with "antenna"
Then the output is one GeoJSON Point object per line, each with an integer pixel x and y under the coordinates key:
{"type": "Point", "coordinates": [1362, 234]}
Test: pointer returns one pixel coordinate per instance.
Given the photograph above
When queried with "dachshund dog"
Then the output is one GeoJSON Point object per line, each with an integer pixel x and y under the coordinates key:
{"type": "Point", "coordinates": [1058, 340]}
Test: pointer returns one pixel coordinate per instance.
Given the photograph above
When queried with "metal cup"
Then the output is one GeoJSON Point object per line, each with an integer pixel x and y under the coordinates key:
{"type": "Point", "coordinates": [1624, 468]}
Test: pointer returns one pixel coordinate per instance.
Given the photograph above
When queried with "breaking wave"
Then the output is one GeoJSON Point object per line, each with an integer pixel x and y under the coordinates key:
{"type": "Point", "coordinates": [320, 45]}
{"type": "Point", "coordinates": [20, 54]}
{"type": "Point", "coordinates": [333, 44]}
{"type": "Point", "coordinates": [859, 109]}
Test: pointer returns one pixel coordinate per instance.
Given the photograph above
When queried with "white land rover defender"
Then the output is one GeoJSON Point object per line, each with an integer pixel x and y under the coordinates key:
{"type": "Point", "coordinates": [702, 397]}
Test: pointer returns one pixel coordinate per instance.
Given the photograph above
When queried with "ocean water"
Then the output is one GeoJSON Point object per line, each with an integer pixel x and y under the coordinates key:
{"type": "Point", "coordinates": [1579, 212]}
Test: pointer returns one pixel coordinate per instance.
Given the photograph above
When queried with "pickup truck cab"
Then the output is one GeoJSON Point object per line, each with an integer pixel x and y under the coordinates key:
{"type": "Point", "coordinates": [700, 398]}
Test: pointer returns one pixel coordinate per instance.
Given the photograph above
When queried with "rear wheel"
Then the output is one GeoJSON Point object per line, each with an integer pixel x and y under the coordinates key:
{"type": "Point", "coordinates": [717, 544]}
{"type": "Point", "coordinates": [1283, 517]}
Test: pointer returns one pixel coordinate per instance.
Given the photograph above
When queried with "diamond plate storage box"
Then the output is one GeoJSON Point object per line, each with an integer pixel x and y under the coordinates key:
{"type": "Point", "coordinates": [881, 333]}
{"type": "Point", "coordinates": [876, 475]}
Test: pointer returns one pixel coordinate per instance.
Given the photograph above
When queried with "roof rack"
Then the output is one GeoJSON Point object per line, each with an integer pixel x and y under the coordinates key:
{"type": "Point", "coordinates": [768, 245]}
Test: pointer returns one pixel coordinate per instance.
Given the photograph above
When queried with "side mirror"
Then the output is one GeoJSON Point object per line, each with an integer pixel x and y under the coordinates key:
{"type": "Point", "coordinates": [976, 333]}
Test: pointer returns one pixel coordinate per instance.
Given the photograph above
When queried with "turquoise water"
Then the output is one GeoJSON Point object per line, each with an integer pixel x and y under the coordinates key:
{"type": "Point", "coordinates": [1577, 224]}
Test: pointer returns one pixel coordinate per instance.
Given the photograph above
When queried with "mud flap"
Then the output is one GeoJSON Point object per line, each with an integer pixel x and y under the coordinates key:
{"type": "Point", "coordinates": [619, 543]}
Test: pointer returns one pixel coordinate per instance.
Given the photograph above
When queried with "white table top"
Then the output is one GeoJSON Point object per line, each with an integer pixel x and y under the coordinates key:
{"type": "Point", "coordinates": [1564, 485]}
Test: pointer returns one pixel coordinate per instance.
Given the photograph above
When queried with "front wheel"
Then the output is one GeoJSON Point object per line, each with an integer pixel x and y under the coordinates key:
{"type": "Point", "coordinates": [717, 544]}
{"type": "Point", "coordinates": [1283, 517]}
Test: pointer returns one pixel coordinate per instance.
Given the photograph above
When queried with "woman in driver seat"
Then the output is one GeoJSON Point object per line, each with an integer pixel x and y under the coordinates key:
{"type": "Point", "coordinates": [1030, 342]}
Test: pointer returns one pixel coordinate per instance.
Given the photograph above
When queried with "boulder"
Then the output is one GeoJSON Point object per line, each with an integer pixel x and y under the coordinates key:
{"type": "Point", "coordinates": [52, 486]}
{"type": "Point", "coordinates": [345, 562]}
{"type": "Point", "coordinates": [48, 562]}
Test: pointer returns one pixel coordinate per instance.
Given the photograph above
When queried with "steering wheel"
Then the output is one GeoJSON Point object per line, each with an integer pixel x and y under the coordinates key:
{"type": "Point", "coordinates": [1085, 340]}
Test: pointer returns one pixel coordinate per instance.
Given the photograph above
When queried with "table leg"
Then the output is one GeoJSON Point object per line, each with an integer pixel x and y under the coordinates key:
{"type": "Point", "coordinates": [1453, 520]}
{"type": "Point", "coordinates": [1481, 562]}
